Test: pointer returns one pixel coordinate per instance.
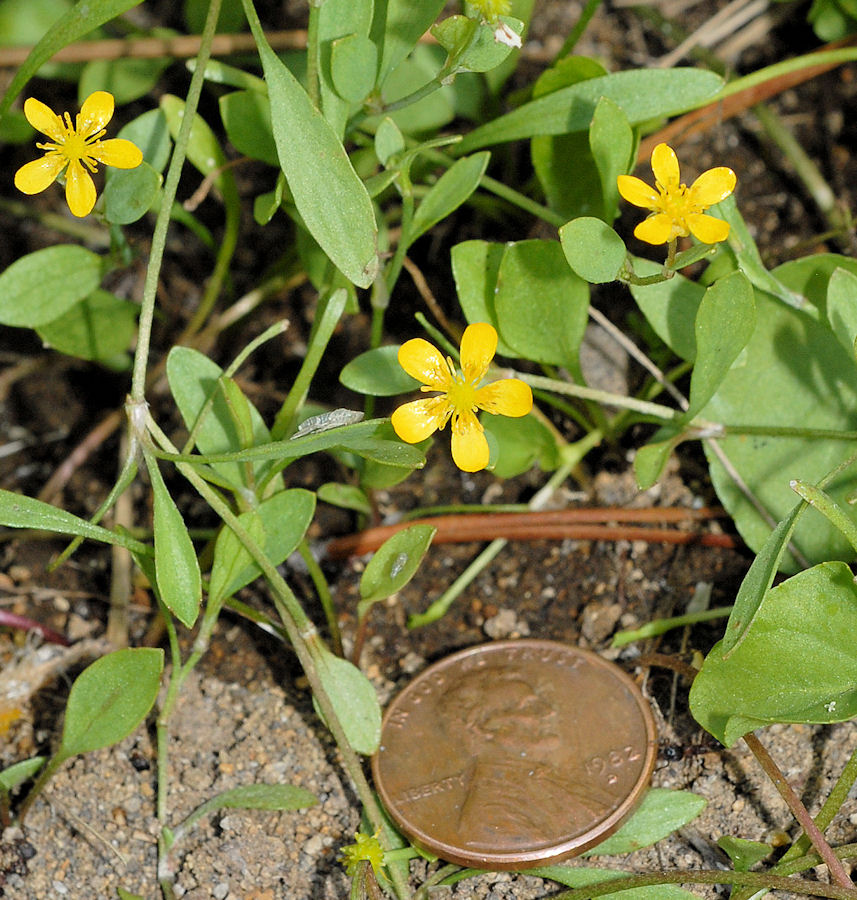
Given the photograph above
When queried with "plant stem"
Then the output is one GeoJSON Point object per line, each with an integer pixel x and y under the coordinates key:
{"type": "Point", "coordinates": [579, 27]}
{"type": "Point", "coordinates": [159, 236]}
{"type": "Point", "coordinates": [301, 634]}
{"type": "Point", "coordinates": [799, 811]}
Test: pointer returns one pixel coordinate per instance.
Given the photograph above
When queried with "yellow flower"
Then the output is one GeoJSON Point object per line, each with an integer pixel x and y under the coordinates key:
{"type": "Point", "coordinates": [74, 146]}
{"type": "Point", "coordinates": [367, 848]}
{"type": "Point", "coordinates": [676, 209]}
{"type": "Point", "coordinates": [459, 395]}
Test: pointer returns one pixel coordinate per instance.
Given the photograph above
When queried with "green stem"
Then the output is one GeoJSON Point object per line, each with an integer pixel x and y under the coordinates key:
{"type": "Point", "coordinates": [827, 434]}
{"type": "Point", "coordinates": [312, 54]}
{"type": "Point", "coordinates": [757, 880]}
{"type": "Point", "coordinates": [603, 397]}
{"type": "Point", "coordinates": [323, 590]}
{"type": "Point", "coordinates": [579, 27]}
{"type": "Point", "coordinates": [574, 453]}
{"type": "Point", "coordinates": [302, 636]}
{"type": "Point", "coordinates": [162, 223]}
{"type": "Point", "coordinates": [662, 626]}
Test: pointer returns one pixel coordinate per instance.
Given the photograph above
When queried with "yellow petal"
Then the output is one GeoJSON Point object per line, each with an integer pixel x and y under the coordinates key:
{"type": "Point", "coordinates": [35, 176]}
{"type": "Point", "coordinates": [117, 152]}
{"type": "Point", "coordinates": [96, 112]}
{"type": "Point", "coordinates": [414, 422]}
{"type": "Point", "coordinates": [712, 186]}
{"type": "Point", "coordinates": [421, 360]}
{"type": "Point", "coordinates": [469, 445]}
{"type": "Point", "coordinates": [506, 397]}
{"type": "Point", "coordinates": [44, 119]}
{"type": "Point", "coordinates": [708, 229]}
{"type": "Point", "coordinates": [79, 190]}
{"type": "Point", "coordinates": [665, 165]}
{"type": "Point", "coordinates": [637, 192]}
{"type": "Point", "coordinates": [656, 229]}
{"type": "Point", "coordinates": [478, 346]}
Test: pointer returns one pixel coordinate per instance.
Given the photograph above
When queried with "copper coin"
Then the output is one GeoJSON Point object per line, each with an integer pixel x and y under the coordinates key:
{"type": "Point", "coordinates": [515, 754]}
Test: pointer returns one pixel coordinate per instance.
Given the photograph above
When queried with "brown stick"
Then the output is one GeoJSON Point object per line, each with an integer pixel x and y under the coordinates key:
{"type": "Point", "coordinates": [550, 525]}
{"type": "Point", "coordinates": [182, 47]}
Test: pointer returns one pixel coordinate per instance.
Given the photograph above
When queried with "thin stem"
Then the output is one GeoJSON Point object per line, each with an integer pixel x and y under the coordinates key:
{"type": "Point", "coordinates": [799, 811]}
{"type": "Point", "coordinates": [301, 634]}
{"type": "Point", "coordinates": [579, 27]}
{"type": "Point", "coordinates": [313, 48]}
{"type": "Point", "coordinates": [323, 590]}
{"type": "Point", "coordinates": [603, 397]}
{"type": "Point", "coordinates": [829, 809]}
{"type": "Point", "coordinates": [162, 223]}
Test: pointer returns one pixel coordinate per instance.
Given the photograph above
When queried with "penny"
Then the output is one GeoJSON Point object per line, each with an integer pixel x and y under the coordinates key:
{"type": "Point", "coordinates": [515, 754]}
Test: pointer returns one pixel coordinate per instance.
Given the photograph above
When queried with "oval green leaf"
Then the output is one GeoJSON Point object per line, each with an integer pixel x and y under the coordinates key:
{"type": "Point", "coordinates": [809, 620]}
{"type": "Point", "coordinates": [593, 249]}
{"type": "Point", "coordinates": [395, 563]}
{"type": "Point", "coordinates": [378, 373]}
{"type": "Point", "coordinates": [130, 194]}
{"type": "Point", "coordinates": [326, 189]}
{"type": "Point", "coordinates": [353, 699]}
{"type": "Point", "coordinates": [176, 565]}
{"type": "Point", "coordinates": [41, 286]}
{"type": "Point", "coordinates": [110, 699]}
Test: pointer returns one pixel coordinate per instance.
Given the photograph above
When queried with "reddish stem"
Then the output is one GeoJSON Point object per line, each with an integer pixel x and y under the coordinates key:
{"type": "Point", "coordinates": [13, 620]}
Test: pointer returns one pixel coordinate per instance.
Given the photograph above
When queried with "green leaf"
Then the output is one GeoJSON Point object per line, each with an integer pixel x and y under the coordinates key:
{"type": "Point", "coordinates": [450, 191]}
{"type": "Point", "coordinates": [521, 444]}
{"type": "Point", "coordinates": [253, 796]}
{"type": "Point", "coordinates": [127, 79]}
{"type": "Point", "coordinates": [475, 266]}
{"type": "Point", "coordinates": [151, 134]}
{"type": "Point", "coordinates": [748, 258]}
{"type": "Point", "coordinates": [193, 378]}
{"type": "Point", "coordinates": [109, 699]}
{"type": "Point", "coordinates": [642, 94]}
{"type": "Point", "coordinates": [394, 564]}
{"type": "Point", "coordinates": [542, 307]}
{"type": "Point", "coordinates": [98, 328]}
{"type": "Point", "coordinates": [571, 190]}
{"type": "Point", "coordinates": [353, 63]}
{"type": "Point", "coordinates": [743, 853]}
{"type": "Point", "coordinates": [18, 511]}
{"type": "Point", "coordinates": [612, 142]}
{"type": "Point", "coordinates": [130, 194]}
{"type": "Point", "coordinates": [127, 895]}
{"type": "Point", "coordinates": [20, 772]}
{"type": "Point", "coordinates": [389, 140]}
{"type": "Point", "coordinates": [247, 118]}
{"type": "Point", "coordinates": [651, 460]}
{"type": "Point", "coordinates": [471, 45]}
{"type": "Point", "coordinates": [661, 812]}
{"type": "Point", "coordinates": [809, 620]}
{"type": "Point", "coordinates": [353, 699]}
{"type": "Point", "coordinates": [278, 525]}
{"type": "Point", "coordinates": [773, 384]}
{"type": "Point", "coordinates": [580, 876]}
{"type": "Point", "coordinates": [77, 22]}
{"type": "Point", "coordinates": [176, 565]}
{"type": "Point", "coordinates": [842, 307]}
{"type": "Point", "coordinates": [724, 324]}
{"type": "Point", "coordinates": [758, 580]}
{"type": "Point", "coordinates": [323, 183]}
{"type": "Point", "coordinates": [345, 496]}
{"type": "Point", "coordinates": [41, 286]}
{"type": "Point", "coordinates": [670, 307]}
{"type": "Point", "coordinates": [593, 249]}
{"type": "Point", "coordinates": [378, 373]}
{"type": "Point", "coordinates": [829, 508]}
{"type": "Point", "coordinates": [396, 28]}
{"type": "Point", "coordinates": [203, 148]}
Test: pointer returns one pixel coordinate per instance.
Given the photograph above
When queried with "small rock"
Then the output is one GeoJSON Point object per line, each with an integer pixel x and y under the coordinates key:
{"type": "Point", "coordinates": [599, 620]}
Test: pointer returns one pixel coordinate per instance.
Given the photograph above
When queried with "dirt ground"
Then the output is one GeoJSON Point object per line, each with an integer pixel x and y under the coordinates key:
{"type": "Point", "coordinates": [245, 715]}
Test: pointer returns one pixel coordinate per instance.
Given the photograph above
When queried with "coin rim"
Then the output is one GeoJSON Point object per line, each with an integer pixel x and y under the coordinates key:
{"type": "Point", "coordinates": [545, 855]}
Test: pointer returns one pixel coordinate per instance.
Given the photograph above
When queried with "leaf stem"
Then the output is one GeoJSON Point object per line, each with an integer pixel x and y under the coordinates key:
{"type": "Point", "coordinates": [162, 223]}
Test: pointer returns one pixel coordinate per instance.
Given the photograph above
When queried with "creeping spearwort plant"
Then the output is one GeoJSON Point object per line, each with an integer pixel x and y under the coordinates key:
{"type": "Point", "coordinates": [364, 140]}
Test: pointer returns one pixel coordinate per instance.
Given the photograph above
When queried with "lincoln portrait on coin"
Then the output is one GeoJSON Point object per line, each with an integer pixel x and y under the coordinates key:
{"type": "Point", "coordinates": [521, 785]}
